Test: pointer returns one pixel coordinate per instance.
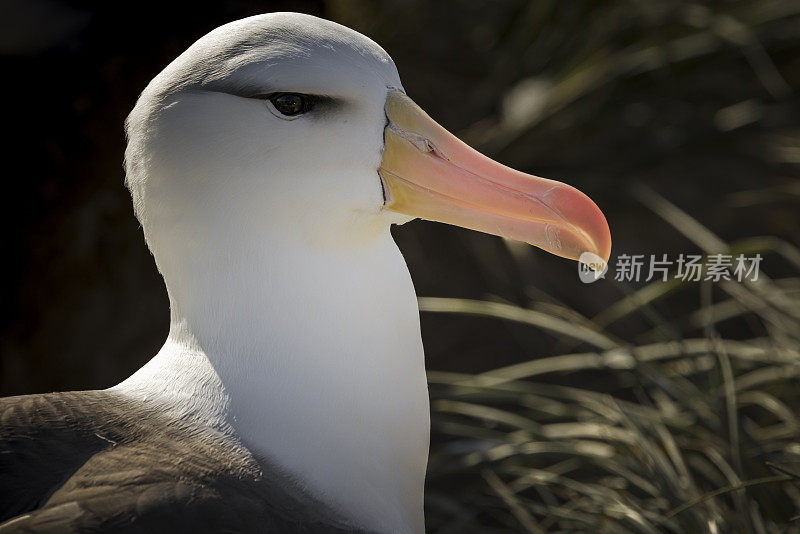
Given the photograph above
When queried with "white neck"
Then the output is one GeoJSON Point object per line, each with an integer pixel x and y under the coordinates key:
{"type": "Point", "coordinates": [312, 355]}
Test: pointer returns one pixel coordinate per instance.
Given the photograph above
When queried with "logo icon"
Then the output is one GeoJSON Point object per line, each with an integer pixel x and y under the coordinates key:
{"type": "Point", "coordinates": [591, 267]}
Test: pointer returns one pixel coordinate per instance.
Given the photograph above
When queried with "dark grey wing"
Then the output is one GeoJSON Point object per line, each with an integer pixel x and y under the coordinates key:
{"type": "Point", "coordinates": [42, 443]}
{"type": "Point", "coordinates": [97, 462]}
{"type": "Point", "coordinates": [170, 507]}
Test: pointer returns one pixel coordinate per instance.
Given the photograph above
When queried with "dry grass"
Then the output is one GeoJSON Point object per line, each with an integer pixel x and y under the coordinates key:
{"type": "Point", "coordinates": [692, 424]}
{"type": "Point", "coordinates": [689, 435]}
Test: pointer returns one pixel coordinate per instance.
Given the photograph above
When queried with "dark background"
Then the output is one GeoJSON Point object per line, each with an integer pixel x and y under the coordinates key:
{"type": "Point", "coordinates": [627, 92]}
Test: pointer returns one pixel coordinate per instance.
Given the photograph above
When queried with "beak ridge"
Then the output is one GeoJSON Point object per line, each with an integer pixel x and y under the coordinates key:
{"type": "Point", "coordinates": [431, 174]}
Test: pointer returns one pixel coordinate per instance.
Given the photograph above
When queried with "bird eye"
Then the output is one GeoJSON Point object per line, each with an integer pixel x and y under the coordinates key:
{"type": "Point", "coordinates": [290, 104]}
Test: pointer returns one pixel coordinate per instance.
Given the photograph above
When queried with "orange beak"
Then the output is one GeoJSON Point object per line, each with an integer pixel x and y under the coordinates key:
{"type": "Point", "coordinates": [429, 173]}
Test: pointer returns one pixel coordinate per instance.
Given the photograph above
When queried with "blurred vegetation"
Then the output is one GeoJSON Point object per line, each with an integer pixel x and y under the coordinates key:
{"type": "Point", "coordinates": [557, 406]}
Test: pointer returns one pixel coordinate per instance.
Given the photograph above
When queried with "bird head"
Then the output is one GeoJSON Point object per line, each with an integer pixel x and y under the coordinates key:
{"type": "Point", "coordinates": [290, 125]}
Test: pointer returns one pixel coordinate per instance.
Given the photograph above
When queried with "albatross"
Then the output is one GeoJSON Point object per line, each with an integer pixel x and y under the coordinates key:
{"type": "Point", "coordinates": [266, 165]}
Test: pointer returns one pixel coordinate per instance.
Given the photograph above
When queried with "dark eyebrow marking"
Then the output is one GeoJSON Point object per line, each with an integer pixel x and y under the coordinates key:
{"type": "Point", "coordinates": [320, 103]}
{"type": "Point", "coordinates": [260, 91]}
{"type": "Point", "coordinates": [242, 90]}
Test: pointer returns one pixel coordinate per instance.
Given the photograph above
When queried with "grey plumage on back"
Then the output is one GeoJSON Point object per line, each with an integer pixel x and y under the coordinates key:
{"type": "Point", "coordinates": [95, 461]}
